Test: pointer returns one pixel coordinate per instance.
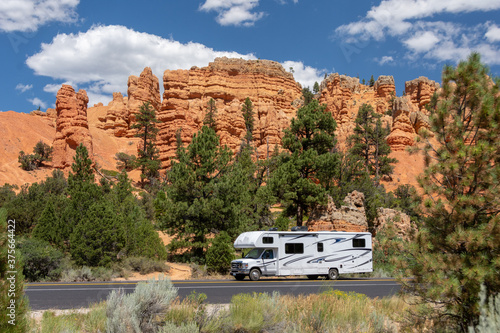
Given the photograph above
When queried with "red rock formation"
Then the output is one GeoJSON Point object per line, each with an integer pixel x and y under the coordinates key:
{"type": "Point", "coordinates": [72, 127]}
{"type": "Point", "coordinates": [229, 82]}
{"type": "Point", "coordinates": [343, 96]}
{"type": "Point", "coordinates": [420, 92]}
{"type": "Point", "coordinates": [145, 88]}
{"type": "Point", "coordinates": [121, 111]}
{"type": "Point", "coordinates": [347, 218]}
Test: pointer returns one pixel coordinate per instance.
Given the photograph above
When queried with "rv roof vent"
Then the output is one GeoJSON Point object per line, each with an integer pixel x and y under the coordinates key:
{"type": "Point", "coordinates": [297, 228]}
{"type": "Point", "coordinates": [273, 229]}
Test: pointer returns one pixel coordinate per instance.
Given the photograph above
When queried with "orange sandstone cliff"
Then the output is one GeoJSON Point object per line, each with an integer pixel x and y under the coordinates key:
{"type": "Point", "coordinates": [273, 92]}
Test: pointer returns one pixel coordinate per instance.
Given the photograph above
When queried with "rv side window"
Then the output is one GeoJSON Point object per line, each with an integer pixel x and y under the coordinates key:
{"type": "Point", "coordinates": [358, 242]}
{"type": "Point", "coordinates": [267, 240]}
{"type": "Point", "coordinates": [291, 248]}
{"type": "Point", "coordinates": [320, 247]}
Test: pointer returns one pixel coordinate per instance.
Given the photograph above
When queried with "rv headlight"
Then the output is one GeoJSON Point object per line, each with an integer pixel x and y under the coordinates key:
{"type": "Point", "coordinates": [244, 265]}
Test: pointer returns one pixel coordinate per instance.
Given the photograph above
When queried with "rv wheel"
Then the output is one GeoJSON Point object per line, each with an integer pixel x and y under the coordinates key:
{"type": "Point", "coordinates": [254, 274]}
{"type": "Point", "coordinates": [239, 277]}
{"type": "Point", "coordinates": [333, 274]}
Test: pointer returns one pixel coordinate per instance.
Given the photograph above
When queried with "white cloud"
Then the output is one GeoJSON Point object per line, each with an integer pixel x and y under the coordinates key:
{"type": "Point", "coordinates": [37, 102]}
{"type": "Point", "coordinates": [493, 33]}
{"type": "Point", "coordinates": [422, 41]}
{"type": "Point", "coordinates": [101, 59]}
{"type": "Point", "coordinates": [234, 12]}
{"type": "Point", "coordinates": [29, 15]}
{"type": "Point", "coordinates": [305, 75]}
{"type": "Point", "coordinates": [385, 60]}
{"type": "Point", "coordinates": [410, 22]}
{"type": "Point", "coordinates": [24, 87]}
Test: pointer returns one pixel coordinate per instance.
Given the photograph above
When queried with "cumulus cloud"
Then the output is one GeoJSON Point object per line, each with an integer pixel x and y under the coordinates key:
{"type": "Point", "coordinates": [305, 75]}
{"type": "Point", "coordinates": [493, 33]}
{"type": "Point", "coordinates": [101, 59]}
{"type": "Point", "coordinates": [385, 60]}
{"type": "Point", "coordinates": [234, 12]}
{"type": "Point", "coordinates": [24, 87]}
{"type": "Point", "coordinates": [410, 22]}
{"type": "Point", "coordinates": [37, 102]}
{"type": "Point", "coordinates": [29, 15]}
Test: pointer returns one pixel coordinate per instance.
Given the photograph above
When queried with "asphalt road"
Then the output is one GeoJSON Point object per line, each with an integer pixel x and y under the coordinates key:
{"type": "Point", "coordinates": [76, 295]}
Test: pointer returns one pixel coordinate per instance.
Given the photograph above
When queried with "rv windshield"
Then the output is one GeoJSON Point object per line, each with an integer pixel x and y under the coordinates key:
{"type": "Point", "coordinates": [254, 253]}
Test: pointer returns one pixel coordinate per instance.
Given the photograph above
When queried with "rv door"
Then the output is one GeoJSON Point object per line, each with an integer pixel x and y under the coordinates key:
{"type": "Point", "coordinates": [269, 259]}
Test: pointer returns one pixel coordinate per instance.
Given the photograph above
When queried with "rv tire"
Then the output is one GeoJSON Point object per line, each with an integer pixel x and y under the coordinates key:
{"type": "Point", "coordinates": [333, 274]}
{"type": "Point", "coordinates": [254, 274]}
{"type": "Point", "coordinates": [239, 277]}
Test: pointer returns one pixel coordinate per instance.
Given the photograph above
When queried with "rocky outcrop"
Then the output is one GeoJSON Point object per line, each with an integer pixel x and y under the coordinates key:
{"type": "Point", "coordinates": [229, 82]}
{"type": "Point", "coordinates": [402, 223]}
{"type": "Point", "coordinates": [351, 217]}
{"type": "Point", "coordinates": [72, 127]}
{"type": "Point", "coordinates": [344, 95]}
{"type": "Point", "coordinates": [121, 110]}
{"type": "Point", "coordinates": [402, 132]}
{"type": "Point", "coordinates": [116, 119]}
{"type": "Point", "coordinates": [420, 92]}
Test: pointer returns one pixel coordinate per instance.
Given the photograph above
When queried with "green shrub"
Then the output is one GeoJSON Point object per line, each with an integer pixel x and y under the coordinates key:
{"type": "Point", "coordinates": [183, 328]}
{"type": "Point", "coordinates": [81, 274]}
{"type": "Point", "coordinates": [220, 254]}
{"type": "Point", "coordinates": [145, 265]}
{"type": "Point", "coordinates": [41, 261]}
{"type": "Point", "coordinates": [138, 312]}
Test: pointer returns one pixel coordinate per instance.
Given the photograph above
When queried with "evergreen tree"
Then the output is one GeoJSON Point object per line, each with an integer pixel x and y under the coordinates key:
{"type": "Point", "coordinates": [200, 198]}
{"type": "Point", "coordinates": [316, 88]}
{"type": "Point", "coordinates": [42, 153]}
{"type": "Point", "coordinates": [209, 119]}
{"type": "Point", "coordinates": [309, 142]}
{"type": "Point", "coordinates": [372, 81]}
{"type": "Point", "coordinates": [48, 227]}
{"type": "Point", "coordinates": [82, 166]}
{"type": "Point", "coordinates": [125, 162]}
{"type": "Point", "coordinates": [98, 238]}
{"type": "Point", "coordinates": [148, 157]}
{"type": "Point", "coordinates": [368, 143]}
{"type": "Point", "coordinates": [457, 247]}
{"type": "Point", "coordinates": [307, 95]}
{"type": "Point", "coordinates": [220, 254]}
{"type": "Point", "coordinates": [14, 310]}
{"type": "Point", "coordinates": [247, 110]}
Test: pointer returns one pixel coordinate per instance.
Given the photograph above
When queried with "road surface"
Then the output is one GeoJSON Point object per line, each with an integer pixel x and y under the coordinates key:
{"type": "Point", "coordinates": [59, 295]}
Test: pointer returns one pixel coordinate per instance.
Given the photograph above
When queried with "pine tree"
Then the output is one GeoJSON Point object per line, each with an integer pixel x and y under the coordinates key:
{"type": "Point", "coordinates": [372, 81]}
{"type": "Point", "coordinates": [82, 166]}
{"type": "Point", "coordinates": [42, 153]}
{"type": "Point", "coordinates": [98, 238]}
{"type": "Point", "coordinates": [316, 88]}
{"type": "Point", "coordinates": [220, 254]}
{"type": "Point", "coordinates": [194, 204]}
{"type": "Point", "coordinates": [309, 142]}
{"type": "Point", "coordinates": [14, 310]}
{"type": "Point", "coordinates": [457, 247]}
{"type": "Point", "coordinates": [209, 119]}
{"type": "Point", "coordinates": [307, 95]}
{"type": "Point", "coordinates": [48, 227]}
{"type": "Point", "coordinates": [148, 157]}
{"type": "Point", "coordinates": [368, 143]}
{"type": "Point", "coordinates": [247, 110]}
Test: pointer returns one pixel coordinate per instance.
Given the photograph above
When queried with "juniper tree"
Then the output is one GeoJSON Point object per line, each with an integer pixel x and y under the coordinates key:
{"type": "Point", "coordinates": [309, 143]}
{"type": "Point", "coordinates": [457, 247]}
{"type": "Point", "coordinates": [148, 158]}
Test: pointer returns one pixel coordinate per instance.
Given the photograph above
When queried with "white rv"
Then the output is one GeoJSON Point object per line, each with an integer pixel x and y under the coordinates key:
{"type": "Point", "coordinates": [284, 253]}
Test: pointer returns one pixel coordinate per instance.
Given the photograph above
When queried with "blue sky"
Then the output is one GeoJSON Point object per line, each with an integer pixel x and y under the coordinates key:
{"type": "Point", "coordinates": [96, 45]}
